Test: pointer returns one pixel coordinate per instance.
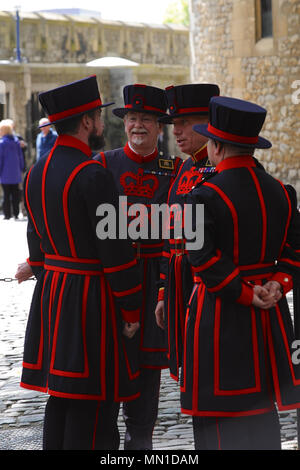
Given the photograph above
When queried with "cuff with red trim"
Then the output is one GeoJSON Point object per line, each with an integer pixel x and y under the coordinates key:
{"type": "Point", "coordinates": [35, 263]}
{"type": "Point", "coordinates": [285, 280]}
{"type": "Point", "coordinates": [246, 296]}
{"type": "Point", "coordinates": [130, 316]}
{"type": "Point", "coordinates": [161, 294]}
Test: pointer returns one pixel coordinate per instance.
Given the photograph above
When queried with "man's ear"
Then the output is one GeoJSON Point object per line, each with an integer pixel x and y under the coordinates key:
{"type": "Point", "coordinates": [86, 121]}
{"type": "Point", "coordinates": [219, 147]}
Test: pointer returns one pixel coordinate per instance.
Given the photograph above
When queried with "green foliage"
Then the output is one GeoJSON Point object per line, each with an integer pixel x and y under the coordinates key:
{"type": "Point", "coordinates": [177, 13]}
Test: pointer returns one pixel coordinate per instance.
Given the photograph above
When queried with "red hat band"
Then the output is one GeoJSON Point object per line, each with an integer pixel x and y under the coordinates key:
{"type": "Point", "coordinates": [232, 137]}
{"type": "Point", "coordinates": [74, 111]}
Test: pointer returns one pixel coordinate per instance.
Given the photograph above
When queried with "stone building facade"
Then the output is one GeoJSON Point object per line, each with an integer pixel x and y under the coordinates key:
{"type": "Point", "coordinates": [55, 49]}
{"type": "Point", "coordinates": [251, 48]}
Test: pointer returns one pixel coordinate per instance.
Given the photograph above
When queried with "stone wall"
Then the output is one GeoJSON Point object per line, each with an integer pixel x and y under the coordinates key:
{"type": "Point", "coordinates": [227, 51]}
{"type": "Point", "coordinates": [56, 48]}
{"type": "Point", "coordinates": [53, 38]}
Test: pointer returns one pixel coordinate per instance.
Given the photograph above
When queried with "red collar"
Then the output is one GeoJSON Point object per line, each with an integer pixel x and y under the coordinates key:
{"type": "Point", "coordinates": [200, 154]}
{"type": "Point", "coordinates": [238, 161]}
{"type": "Point", "coordinates": [70, 141]}
{"type": "Point", "coordinates": [139, 158]}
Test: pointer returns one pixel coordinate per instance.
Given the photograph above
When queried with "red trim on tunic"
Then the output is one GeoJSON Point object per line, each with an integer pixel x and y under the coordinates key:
{"type": "Point", "coordinates": [200, 155]}
{"type": "Point", "coordinates": [182, 388]}
{"type": "Point", "coordinates": [161, 294]}
{"type": "Point", "coordinates": [71, 271]}
{"type": "Point", "coordinates": [225, 281]}
{"type": "Point", "coordinates": [34, 263]}
{"type": "Point", "coordinates": [200, 300]}
{"type": "Point", "coordinates": [240, 391]}
{"type": "Point", "coordinates": [285, 280]}
{"type": "Point", "coordinates": [33, 387]}
{"type": "Point", "coordinates": [209, 263]}
{"type": "Point", "coordinates": [71, 141]}
{"type": "Point", "coordinates": [289, 215]}
{"type": "Point", "coordinates": [115, 345]}
{"type": "Point", "coordinates": [128, 292]}
{"type": "Point", "coordinates": [103, 159]}
{"type": "Point", "coordinates": [263, 214]}
{"type": "Point", "coordinates": [65, 202]}
{"type": "Point", "coordinates": [64, 373]}
{"type": "Point", "coordinates": [121, 267]}
{"type": "Point", "coordinates": [136, 157]}
{"type": "Point", "coordinates": [234, 217]}
{"type": "Point", "coordinates": [227, 414]}
{"type": "Point", "coordinates": [239, 161]}
{"type": "Point", "coordinates": [246, 296]}
{"type": "Point", "coordinates": [179, 313]}
{"type": "Point", "coordinates": [38, 364]}
{"type": "Point", "coordinates": [44, 197]}
{"type": "Point", "coordinates": [281, 407]}
{"type": "Point", "coordinates": [130, 316]}
{"type": "Point", "coordinates": [71, 259]}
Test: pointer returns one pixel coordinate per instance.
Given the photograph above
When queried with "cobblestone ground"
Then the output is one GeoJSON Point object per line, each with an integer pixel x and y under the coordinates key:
{"type": "Point", "coordinates": [22, 411]}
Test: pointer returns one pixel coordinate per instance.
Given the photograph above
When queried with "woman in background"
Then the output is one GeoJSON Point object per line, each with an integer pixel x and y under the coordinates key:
{"type": "Point", "coordinates": [11, 166]}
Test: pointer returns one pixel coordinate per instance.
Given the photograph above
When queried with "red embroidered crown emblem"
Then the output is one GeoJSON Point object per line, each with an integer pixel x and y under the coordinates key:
{"type": "Point", "coordinates": [188, 180]}
{"type": "Point", "coordinates": [139, 184]}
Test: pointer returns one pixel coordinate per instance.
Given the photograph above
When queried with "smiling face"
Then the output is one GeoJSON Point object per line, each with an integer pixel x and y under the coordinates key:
{"type": "Point", "coordinates": [142, 130]}
{"type": "Point", "coordinates": [187, 139]}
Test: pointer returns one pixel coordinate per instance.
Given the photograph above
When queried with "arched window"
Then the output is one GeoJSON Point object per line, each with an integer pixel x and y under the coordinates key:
{"type": "Point", "coordinates": [264, 22]}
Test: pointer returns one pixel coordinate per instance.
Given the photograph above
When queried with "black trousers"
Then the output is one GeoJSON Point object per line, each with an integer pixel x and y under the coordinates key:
{"type": "Point", "coordinates": [11, 197]}
{"type": "Point", "coordinates": [80, 425]}
{"type": "Point", "coordinates": [140, 415]}
{"type": "Point", "coordinates": [257, 432]}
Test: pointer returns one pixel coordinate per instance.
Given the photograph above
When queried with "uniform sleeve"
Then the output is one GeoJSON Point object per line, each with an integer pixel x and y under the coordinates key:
{"type": "Point", "coordinates": [116, 254]}
{"type": "Point", "coordinates": [217, 271]}
{"type": "Point", "coordinates": [36, 255]}
{"type": "Point", "coordinates": [288, 263]}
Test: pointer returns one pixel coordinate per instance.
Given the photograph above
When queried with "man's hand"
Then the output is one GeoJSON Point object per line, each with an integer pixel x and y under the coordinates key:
{"type": "Point", "coordinates": [24, 272]}
{"type": "Point", "coordinates": [275, 290]}
{"type": "Point", "coordinates": [160, 314]}
{"type": "Point", "coordinates": [130, 329]}
{"type": "Point", "coordinates": [263, 298]}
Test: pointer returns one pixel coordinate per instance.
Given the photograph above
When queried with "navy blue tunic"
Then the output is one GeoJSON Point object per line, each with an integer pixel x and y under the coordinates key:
{"type": "Point", "coordinates": [176, 274]}
{"type": "Point", "coordinates": [236, 355]}
{"type": "Point", "coordinates": [86, 287]}
{"type": "Point", "coordinates": [145, 180]}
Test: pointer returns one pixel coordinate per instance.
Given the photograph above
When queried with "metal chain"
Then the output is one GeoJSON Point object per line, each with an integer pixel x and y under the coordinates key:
{"type": "Point", "coordinates": [10, 279]}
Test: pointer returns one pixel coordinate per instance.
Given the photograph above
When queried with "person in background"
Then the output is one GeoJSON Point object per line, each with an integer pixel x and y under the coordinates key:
{"type": "Point", "coordinates": [11, 167]}
{"type": "Point", "coordinates": [24, 146]}
{"type": "Point", "coordinates": [45, 139]}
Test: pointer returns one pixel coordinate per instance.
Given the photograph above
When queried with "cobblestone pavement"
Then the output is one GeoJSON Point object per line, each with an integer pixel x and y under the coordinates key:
{"type": "Point", "coordinates": [22, 411]}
